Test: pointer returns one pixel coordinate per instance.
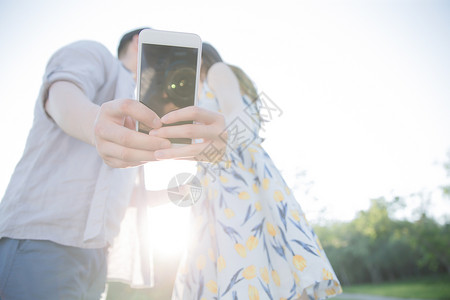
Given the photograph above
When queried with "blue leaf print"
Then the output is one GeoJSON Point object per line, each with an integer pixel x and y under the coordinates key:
{"type": "Point", "coordinates": [239, 177]}
{"type": "Point", "coordinates": [231, 190]}
{"type": "Point", "coordinates": [283, 236]}
{"type": "Point", "coordinates": [307, 247]}
{"type": "Point", "coordinates": [233, 281]}
{"type": "Point", "coordinates": [299, 227]}
{"type": "Point", "coordinates": [279, 250]}
{"type": "Point", "coordinates": [267, 251]}
{"type": "Point", "coordinates": [200, 288]}
{"type": "Point", "coordinates": [241, 154]}
{"type": "Point", "coordinates": [235, 295]}
{"type": "Point", "coordinates": [257, 181]}
{"type": "Point", "coordinates": [293, 288]}
{"type": "Point", "coordinates": [266, 171]}
{"type": "Point", "coordinates": [293, 292]}
{"type": "Point", "coordinates": [230, 232]}
{"type": "Point", "coordinates": [258, 228]}
{"type": "Point", "coordinates": [249, 214]}
{"type": "Point", "coordinates": [266, 289]}
{"type": "Point", "coordinates": [282, 211]}
{"type": "Point", "coordinates": [266, 155]}
{"type": "Point", "coordinates": [221, 201]}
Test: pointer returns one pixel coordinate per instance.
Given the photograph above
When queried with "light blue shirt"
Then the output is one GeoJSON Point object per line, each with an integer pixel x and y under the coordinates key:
{"type": "Point", "coordinates": [61, 190]}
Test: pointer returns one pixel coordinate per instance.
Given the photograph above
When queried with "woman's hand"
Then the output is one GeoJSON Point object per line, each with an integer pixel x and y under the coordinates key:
{"type": "Point", "coordinates": [208, 126]}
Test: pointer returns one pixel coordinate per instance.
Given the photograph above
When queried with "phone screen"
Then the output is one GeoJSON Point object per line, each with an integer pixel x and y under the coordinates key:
{"type": "Point", "coordinates": [167, 81]}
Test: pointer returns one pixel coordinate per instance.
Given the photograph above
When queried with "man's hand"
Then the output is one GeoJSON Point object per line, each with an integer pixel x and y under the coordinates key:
{"type": "Point", "coordinates": [116, 138]}
{"type": "Point", "coordinates": [209, 126]}
{"type": "Point", "coordinates": [110, 127]}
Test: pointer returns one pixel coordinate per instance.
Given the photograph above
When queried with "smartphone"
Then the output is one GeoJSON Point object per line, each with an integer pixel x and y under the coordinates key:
{"type": "Point", "coordinates": [168, 73]}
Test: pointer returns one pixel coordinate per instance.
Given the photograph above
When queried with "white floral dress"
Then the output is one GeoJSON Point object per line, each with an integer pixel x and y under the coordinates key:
{"type": "Point", "coordinates": [249, 236]}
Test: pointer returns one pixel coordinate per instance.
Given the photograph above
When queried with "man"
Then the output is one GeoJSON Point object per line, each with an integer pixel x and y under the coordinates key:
{"type": "Point", "coordinates": [70, 190]}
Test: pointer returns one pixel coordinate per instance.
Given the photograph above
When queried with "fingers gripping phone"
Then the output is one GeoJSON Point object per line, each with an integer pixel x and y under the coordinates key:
{"type": "Point", "coordinates": [168, 73]}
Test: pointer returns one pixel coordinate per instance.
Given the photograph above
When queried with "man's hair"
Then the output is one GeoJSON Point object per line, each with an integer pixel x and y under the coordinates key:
{"type": "Point", "coordinates": [126, 40]}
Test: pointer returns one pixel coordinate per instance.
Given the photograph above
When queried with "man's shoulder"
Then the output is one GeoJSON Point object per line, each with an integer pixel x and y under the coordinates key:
{"type": "Point", "coordinates": [90, 46]}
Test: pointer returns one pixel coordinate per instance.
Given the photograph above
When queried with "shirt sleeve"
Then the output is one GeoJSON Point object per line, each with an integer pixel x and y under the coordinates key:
{"type": "Point", "coordinates": [85, 64]}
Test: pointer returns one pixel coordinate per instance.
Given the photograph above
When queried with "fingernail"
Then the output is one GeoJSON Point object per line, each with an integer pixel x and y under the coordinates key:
{"type": "Point", "coordinates": [156, 122]}
{"type": "Point", "coordinates": [159, 154]}
{"type": "Point", "coordinates": [153, 132]}
{"type": "Point", "coordinates": [164, 119]}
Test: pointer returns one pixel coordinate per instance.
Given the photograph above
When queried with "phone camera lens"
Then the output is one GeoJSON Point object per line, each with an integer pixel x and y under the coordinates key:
{"type": "Point", "coordinates": [180, 85]}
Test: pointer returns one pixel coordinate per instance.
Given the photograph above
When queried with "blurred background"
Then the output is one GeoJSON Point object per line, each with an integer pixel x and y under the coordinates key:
{"type": "Point", "coordinates": [362, 138]}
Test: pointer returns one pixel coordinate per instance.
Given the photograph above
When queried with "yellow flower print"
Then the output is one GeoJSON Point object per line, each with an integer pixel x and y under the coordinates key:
{"type": "Point", "coordinates": [221, 263]}
{"type": "Point", "coordinates": [212, 286]}
{"type": "Point", "coordinates": [252, 242]}
{"type": "Point", "coordinates": [282, 298]}
{"type": "Point", "coordinates": [240, 249]}
{"type": "Point", "coordinates": [253, 293]}
{"type": "Point", "coordinates": [241, 166]}
{"type": "Point", "coordinates": [296, 278]}
{"type": "Point", "coordinates": [223, 179]}
{"type": "Point", "coordinates": [276, 277]}
{"type": "Point", "coordinates": [244, 195]}
{"type": "Point", "coordinates": [211, 254]}
{"type": "Point", "coordinates": [251, 170]}
{"type": "Point", "coordinates": [327, 274]}
{"type": "Point", "coordinates": [252, 150]}
{"type": "Point", "coordinates": [258, 206]}
{"type": "Point", "coordinates": [205, 181]}
{"type": "Point", "coordinates": [209, 95]}
{"type": "Point", "coordinates": [299, 262]}
{"type": "Point", "coordinates": [295, 215]}
{"type": "Point", "coordinates": [228, 164]}
{"type": "Point", "coordinates": [265, 183]}
{"type": "Point", "coordinates": [229, 213]}
{"type": "Point", "coordinates": [201, 262]}
{"type": "Point", "coordinates": [278, 196]}
{"type": "Point", "coordinates": [287, 190]}
{"type": "Point", "coordinates": [255, 188]}
{"type": "Point", "coordinates": [271, 229]}
{"type": "Point", "coordinates": [306, 220]}
{"type": "Point", "coordinates": [249, 272]}
{"type": "Point", "coordinates": [330, 291]}
{"type": "Point", "coordinates": [264, 274]}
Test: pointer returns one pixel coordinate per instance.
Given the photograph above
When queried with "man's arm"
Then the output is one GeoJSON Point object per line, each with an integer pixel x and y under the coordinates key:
{"type": "Point", "coordinates": [109, 127]}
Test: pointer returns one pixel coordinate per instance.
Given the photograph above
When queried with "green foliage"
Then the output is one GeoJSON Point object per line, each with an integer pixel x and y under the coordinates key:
{"type": "Point", "coordinates": [429, 287]}
{"type": "Point", "coordinates": [375, 247]}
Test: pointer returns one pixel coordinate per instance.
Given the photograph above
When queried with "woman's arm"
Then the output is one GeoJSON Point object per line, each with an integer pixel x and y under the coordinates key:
{"type": "Point", "coordinates": [225, 86]}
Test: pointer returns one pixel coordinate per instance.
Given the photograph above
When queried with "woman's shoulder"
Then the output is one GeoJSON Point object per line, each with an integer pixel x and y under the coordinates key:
{"type": "Point", "coordinates": [220, 74]}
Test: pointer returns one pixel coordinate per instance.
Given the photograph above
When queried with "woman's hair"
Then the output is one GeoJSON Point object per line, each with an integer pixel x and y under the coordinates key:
{"type": "Point", "coordinates": [210, 56]}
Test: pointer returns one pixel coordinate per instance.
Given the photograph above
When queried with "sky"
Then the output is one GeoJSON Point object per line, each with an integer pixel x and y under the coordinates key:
{"type": "Point", "coordinates": [363, 86]}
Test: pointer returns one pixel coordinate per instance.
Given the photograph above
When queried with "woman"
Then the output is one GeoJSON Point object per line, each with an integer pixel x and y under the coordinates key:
{"type": "Point", "coordinates": [250, 238]}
